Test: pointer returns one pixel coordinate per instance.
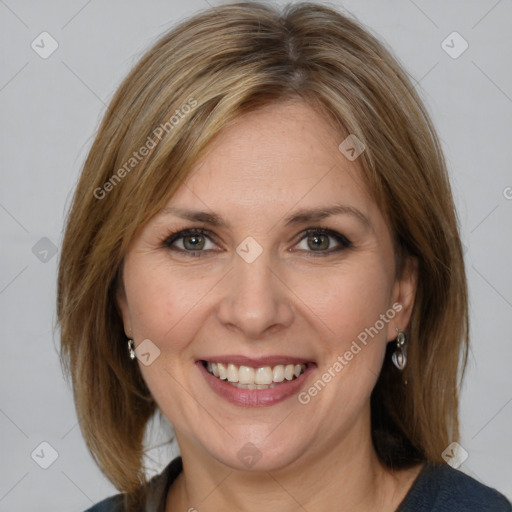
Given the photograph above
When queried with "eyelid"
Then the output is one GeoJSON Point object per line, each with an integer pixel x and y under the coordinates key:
{"type": "Point", "coordinates": [343, 241]}
{"type": "Point", "coordinates": [182, 233]}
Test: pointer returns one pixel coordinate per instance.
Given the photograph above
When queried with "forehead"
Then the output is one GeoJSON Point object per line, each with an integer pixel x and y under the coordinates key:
{"type": "Point", "coordinates": [271, 160]}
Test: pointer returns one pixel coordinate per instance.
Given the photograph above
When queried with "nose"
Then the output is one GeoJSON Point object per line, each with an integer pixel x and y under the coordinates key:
{"type": "Point", "coordinates": [255, 300]}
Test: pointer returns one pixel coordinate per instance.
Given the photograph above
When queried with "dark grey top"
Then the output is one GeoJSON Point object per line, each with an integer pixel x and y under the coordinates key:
{"type": "Point", "coordinates": [437, 488]}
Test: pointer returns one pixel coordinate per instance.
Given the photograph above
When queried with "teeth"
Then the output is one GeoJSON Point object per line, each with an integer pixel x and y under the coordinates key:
{"type": "Point", "coordinates": [246, 375]}
{"type": "Point", "coordinates": [232, 373]}
{"type": "Point", "coordinates": [255, 378]}
{"type": "Point", "coordinates": [288, 372]}
{"type": "Point", "coordinates": [263, 375]}
{"type": "Point", "coordinates": [222, 371]}
{"type": "Point", "coordinates": [252, 386]}
{"type": "Point", "coordinates": [278, 373]}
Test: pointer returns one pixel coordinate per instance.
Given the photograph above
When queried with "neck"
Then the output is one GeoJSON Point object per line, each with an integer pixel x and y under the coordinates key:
{"type": "Point", "coordinates": [347, 477]}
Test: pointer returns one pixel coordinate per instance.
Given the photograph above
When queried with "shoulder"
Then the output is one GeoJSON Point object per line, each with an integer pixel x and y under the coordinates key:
{"type": "Point", "coordinates": [457, 488]}
{"type": "Point", "coordinates": [440, 488]}
{"type": "Point", "coordinates": [112, 504]}
{"type": "Point", "coordinates": [156, 492]}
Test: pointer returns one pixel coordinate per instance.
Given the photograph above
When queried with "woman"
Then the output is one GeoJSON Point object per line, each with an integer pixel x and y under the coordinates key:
{"type": "Point", "coordinates": [263, 246]}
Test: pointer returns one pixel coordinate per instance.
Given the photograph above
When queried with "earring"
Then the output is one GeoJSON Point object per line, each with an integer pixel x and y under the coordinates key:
{"type": "Point", "coordinates": [131, 351]}
{"type": "Point", "coordinates": [399, 356]}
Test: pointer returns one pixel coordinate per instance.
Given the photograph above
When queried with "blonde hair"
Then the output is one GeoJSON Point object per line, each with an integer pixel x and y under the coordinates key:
{"type": "Point", "coordinates": [224, 62]}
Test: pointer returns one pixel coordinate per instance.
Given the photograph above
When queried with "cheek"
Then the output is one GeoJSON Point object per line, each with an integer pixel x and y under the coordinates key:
{"type": "Point", "coordinates": [164, 306]}
{"type": "Point", "coordinates": [345, 301]}
{"type": "Point", "coordinates": [162, 300]}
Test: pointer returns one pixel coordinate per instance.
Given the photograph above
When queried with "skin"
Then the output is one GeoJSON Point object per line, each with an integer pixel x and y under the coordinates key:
{"type": "Point", "coordinates": [290, 301]}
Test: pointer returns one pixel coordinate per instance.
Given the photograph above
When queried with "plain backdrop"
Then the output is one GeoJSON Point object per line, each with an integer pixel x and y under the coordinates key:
{"type": "Point", "coordinates": [50, 109]}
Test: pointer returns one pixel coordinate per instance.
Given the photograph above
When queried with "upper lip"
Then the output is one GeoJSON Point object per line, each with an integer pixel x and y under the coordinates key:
{"type": "Point", "coordinates": [256, 362]}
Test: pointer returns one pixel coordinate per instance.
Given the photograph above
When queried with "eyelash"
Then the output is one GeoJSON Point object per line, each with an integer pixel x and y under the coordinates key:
{"type": "Point", "coordinates": [344, 242]}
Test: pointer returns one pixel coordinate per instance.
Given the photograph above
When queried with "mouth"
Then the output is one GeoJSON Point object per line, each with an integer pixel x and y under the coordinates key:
{"type": "Point", "coordinates": [247, 382]}
{"type": "Point", "coordinates": [260, 377]}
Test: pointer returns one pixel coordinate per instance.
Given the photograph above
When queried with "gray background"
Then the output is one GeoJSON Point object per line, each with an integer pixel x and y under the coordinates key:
{"type": "Point", "coordinates": [50, 110]}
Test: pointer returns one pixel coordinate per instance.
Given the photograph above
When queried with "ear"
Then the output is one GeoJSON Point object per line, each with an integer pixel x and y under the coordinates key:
{"type": "Point", "coordinates": [402, 297]}
{"type": "Point", "coordinates": [122, 306]}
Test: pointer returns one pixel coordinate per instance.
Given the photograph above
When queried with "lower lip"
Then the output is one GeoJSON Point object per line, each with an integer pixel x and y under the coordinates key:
{"type": "Point", "coordinates": [255, 397]}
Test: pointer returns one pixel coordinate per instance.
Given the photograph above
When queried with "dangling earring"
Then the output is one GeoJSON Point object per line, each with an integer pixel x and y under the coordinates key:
{"type": "Point", "coordinates": [131, 350]}
{"type": "Point", "coordinates": [399, 356]}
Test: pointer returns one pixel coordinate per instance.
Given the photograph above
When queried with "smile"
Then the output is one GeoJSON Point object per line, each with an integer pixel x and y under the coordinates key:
{"type": "Point", "coordinates": [250, 382]}
{"type": "Point", "coordinates": [248, 377]}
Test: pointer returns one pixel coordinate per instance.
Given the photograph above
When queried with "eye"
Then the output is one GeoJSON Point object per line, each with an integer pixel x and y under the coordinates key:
{"type": "Point", "coordinates": [191, 241]}
{"type": "Point", "coordinates": [195, 241]}
{"type": "Point", "coordinates": [319, 240]}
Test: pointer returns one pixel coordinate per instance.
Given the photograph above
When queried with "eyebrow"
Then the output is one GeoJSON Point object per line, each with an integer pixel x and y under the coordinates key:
{"type": "Point", "coordinates": [299, 217]}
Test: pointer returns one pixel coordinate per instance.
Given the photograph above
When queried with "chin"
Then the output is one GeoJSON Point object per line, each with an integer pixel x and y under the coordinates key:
{"type": "Point", "coordinates": [245, 455]}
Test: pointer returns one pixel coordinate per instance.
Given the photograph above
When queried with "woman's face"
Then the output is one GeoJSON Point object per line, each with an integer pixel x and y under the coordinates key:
{"type": "Point", "coordinates": [267, 284]}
